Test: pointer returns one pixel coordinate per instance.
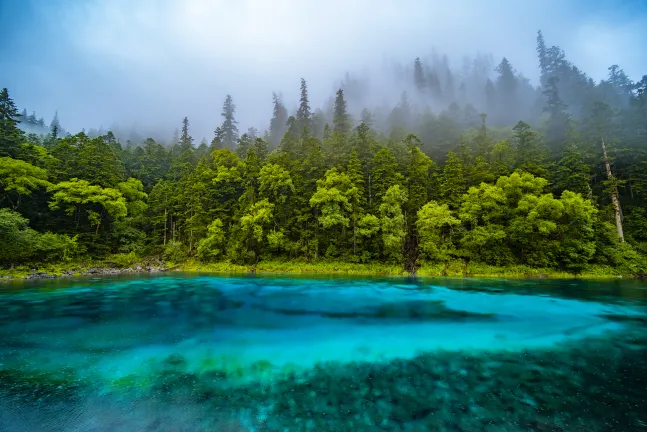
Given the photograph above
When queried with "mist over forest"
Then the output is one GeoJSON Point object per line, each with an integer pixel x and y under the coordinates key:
{"type": "Point", "coordinates": [430, 160]}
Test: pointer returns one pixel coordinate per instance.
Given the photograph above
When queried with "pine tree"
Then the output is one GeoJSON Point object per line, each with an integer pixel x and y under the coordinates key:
{"type": "Point", "coordinates": [216, 142]}
{"type": "Point", "coordinates": [55, 127]}
{"type": "Point", "coordinates": [419, 75]}
{"type": "Point", "coordinates": [541, 53]}
{"type": "Point", "coordinates": [507, 87]}
{"type": "Point", "coordinates": [229, 128]}
{"type": "Point", "coordinates": [186, 140]}
{"type": "Point", "coordinates": [340, 114]}
{"type": "Point", "coordinates": [572, 173]}
{"type": "Point", "coordinates": [243, 145]}
{"type": "Point", "coordinates": [531, 156]}
{"type": "Point", "coordinates": [454, 183]}
{"type": "Point", "coordinates": [304, 115]}
{"type": "Point", "coordinates": [384, 174]}
{"type": "Point", "coordinates": [557, 125]}
{"type": "Point", "coordinates": [10, 135]}
{"type": "Point", "coordinates": [278, 122]}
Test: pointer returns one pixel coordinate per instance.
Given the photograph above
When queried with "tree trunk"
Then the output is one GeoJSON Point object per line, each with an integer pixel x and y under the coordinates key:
{"type": "Point", "coordinates": [614, 195]}
{"type": "Point", "coordinates": [165, 222]}
{"type": "Point", "coordinates": [370, 192]}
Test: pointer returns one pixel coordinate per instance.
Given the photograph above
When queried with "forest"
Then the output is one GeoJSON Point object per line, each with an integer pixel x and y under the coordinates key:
{"type": "Point", "coordinates": [476, 165]}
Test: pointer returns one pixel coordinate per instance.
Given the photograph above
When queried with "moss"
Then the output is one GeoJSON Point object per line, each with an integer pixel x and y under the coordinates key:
{"type": "Point", "coordinates": [39, 385]}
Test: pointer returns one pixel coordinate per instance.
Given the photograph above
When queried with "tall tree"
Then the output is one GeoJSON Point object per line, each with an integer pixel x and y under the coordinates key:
{"type": "Point", "coordinates": [557, 125]}
{"type": "Point", "coordinates": [341, 120]}
{"type": "Point", "coordinates": [304, 115]}
{"type": "Point", "coordinates": [10, 135]}
{"type": "Point", "coordinates": [278, 123]}
{"type": "Point", "coordinates": [229, 128]}
{"type": "Point", "coordinates": [419, 75]}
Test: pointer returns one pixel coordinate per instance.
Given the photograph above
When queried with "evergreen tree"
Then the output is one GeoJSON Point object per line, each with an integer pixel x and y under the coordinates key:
{"type": "Point", "coordinates": [558, 118]}
{"type": "Point", "coordinates": [542, 55]}
{"type": "Point", "coordinates": [10, 135]}
{"type": "Point", "coordinates": [340, 120]}
{"type": "Point", "coordinates": [419, 75]}
{"type": "Point", "coordinates": [303, 116]}
{"type": "Point", "coordinates": [229, 128]}
{"type": "Point", "coordinates": [507, 88]}
{"type": "Point", "coordinates": [278, 123]}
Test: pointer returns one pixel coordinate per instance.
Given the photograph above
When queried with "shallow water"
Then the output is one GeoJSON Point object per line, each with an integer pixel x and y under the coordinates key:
{"type": "Point", "coordinates": [187, 352]}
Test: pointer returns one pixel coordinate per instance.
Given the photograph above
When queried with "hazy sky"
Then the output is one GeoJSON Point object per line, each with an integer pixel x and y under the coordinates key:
{"type": "Point", "coordinates": [155, 61]}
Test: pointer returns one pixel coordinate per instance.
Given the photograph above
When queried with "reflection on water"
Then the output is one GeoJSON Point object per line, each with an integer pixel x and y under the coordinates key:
{"type": "Point", "coordinates": [322, 354]}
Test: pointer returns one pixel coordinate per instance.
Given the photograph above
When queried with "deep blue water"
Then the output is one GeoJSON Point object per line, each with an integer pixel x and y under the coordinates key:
{"type": "Point", "coordinates": [188, 353]}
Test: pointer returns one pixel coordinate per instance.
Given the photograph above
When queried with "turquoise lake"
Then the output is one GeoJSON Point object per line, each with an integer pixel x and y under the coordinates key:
{"type": "Point", "coordinates": [179, 352]}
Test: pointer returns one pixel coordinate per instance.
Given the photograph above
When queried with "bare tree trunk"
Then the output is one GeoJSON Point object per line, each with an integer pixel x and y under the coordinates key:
{"type": "Point", "coordinates": [370, 192]}
{"type": "Point", "coordinates": [614, 195]}
{"type": "Point", "coordinates": [165, 221]}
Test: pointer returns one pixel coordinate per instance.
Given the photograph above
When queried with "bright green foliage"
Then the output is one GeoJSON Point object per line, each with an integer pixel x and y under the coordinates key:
{"type": "Point", "coordinates": [434, 224]}
{"type": "Point", "coordinates": [275, 183]}
{"type": "Point", "coordinates": [392, 222]}
{"type": "Point", "coordinates": [56, 247]}
{"type": "Point", "coordinates": [133, 191]}
{"type": "Point", "coordinates": [22, 244]}
{"type": "Point", "coordinates": [84, 201]}
{"type": "Point", "coordinates": [211, 247]}
{"type": "Point", "coordinates": [18, 240]}
{"type": "Point", "coordinates": [175, 251]}
{"type": "Point", "coordinates": [332, 199]}
{"type": "Point", "coordinates": [482, 213]}
{"type": "Point", "coordinates": [252, 231]}
{"type": "Point", "coordinates": [18, 178]}
{"type": "Point", "coordinates": [577, 244]}
{"type": "Point", "coordinates": [368, 225]}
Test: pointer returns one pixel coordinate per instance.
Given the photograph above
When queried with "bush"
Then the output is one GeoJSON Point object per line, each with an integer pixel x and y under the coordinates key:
{"type": "Point", "coordinates": [18, 240]}
{"type": "Point", "coordinates": [123, 259]}
{"type": "Point", "coordinates": [175, 251]}
{"type": "Point", "coordinates": [56, 247]}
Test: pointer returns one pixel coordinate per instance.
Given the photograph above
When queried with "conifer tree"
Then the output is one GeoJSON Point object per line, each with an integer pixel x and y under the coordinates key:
{"type": "Point", "coordinates": [419, 75]}
{"type": "Point", "coordinates": [278, 123]}
{"type": "Point", "coordinates": [229, 128]}
{"type": "Point", "coordinates": [304, 115]}
{"type": "Point", "coordinates": [340, 114]}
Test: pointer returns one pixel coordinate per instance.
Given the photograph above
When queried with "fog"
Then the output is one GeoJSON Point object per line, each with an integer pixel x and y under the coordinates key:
{"type": "Point", "coordinates": [142, 66]}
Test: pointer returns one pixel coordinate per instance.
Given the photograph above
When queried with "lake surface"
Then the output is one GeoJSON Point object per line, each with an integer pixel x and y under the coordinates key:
{"type": "Point", "coordinates": [211, 353]}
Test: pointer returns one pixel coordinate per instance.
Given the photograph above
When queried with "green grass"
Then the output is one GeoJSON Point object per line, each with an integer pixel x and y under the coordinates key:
{"type": "Point", "coordinates": [455, 269]}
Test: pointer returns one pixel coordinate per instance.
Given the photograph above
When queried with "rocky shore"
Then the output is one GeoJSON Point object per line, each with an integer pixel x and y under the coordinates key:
{"type": "Point", "coordinates": [90, 271]}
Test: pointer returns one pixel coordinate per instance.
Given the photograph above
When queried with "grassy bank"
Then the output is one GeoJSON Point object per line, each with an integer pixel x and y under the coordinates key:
{"type": "Point", "coordinates": [455, 269]}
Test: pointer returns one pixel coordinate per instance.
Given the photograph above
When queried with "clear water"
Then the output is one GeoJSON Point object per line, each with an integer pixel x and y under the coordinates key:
{"type": "Point", "coordinates": [208, 353]}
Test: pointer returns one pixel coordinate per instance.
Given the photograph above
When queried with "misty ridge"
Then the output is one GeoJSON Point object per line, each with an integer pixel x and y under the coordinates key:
{"type": "Point", "coordinates": [429, 97]}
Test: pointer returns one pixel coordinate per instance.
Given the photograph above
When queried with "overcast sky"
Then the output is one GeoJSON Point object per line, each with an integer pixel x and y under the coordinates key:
{"type": "Point", "coordinates": [155, 61]}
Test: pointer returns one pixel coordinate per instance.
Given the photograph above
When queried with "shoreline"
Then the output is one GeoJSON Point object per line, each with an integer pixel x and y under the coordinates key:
{"type": "Point", "coordinates": [455, 269]}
